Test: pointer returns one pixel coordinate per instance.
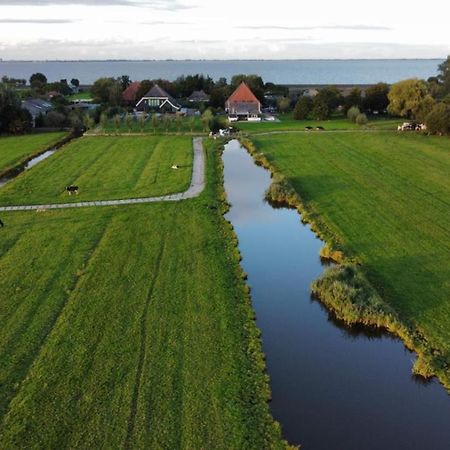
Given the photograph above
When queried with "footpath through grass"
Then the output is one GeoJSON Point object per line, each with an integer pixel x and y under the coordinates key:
{"type": "Point", "coordinates": [386, 198]}
{"type": "Point", "coordinates": [129, 327]}
{"type": "Point", "coordinates": [106, 168]}
{"type": "Point", "coordinates": [16, 149]}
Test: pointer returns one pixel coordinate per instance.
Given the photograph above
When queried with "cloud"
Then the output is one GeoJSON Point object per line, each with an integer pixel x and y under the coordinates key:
{"type": "Point", "coordinates": [43, 21]}
{"type": "Point", "coordinates": [318, 27]}
{"type": "Point", "coordinates": [167, 5]}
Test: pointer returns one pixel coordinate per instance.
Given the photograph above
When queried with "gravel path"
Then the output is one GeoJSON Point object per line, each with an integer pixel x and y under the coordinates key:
{"type": "Point", "coordinates": [196, 187]}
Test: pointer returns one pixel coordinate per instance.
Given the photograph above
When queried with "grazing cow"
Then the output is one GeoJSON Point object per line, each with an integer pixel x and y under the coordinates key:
{"type": "Point", "coordinates": [320, 128]}
{"type": "Point", "coordinates": [308, 128]}
{"type": "Point", "coordinates": [175, 166]}
{"type": "Point", "coordinates": [1, 223]}
{"type": "Point", "coordinates": [72, 189]}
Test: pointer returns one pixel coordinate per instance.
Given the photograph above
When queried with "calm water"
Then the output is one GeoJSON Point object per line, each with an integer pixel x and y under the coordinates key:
{"type": "Point", "coordinates": [332, 388]}
{"type": "Point", "coordinates": [31, 163]}
{"type": "Point", "coordinates": [287, 72]}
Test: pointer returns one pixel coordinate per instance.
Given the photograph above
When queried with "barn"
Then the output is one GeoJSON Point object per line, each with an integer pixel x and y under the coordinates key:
{"type": "Point", "coordinates": [243, 105]}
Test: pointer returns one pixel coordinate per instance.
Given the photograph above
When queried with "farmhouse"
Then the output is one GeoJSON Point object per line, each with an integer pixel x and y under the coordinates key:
{"type": "Point", "coordinates": [129, 95]}
{"type": "Point", "coordinates": [243, 105]}
{"type": "Point", "coordinates": [36, 107]}
{"type": "Point", "coordinates": [159, 100]}
{"type": "Point", "coordinates": [198, 97]}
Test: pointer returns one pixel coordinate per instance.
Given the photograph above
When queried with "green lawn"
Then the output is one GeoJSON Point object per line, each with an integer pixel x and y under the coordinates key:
{"type": "Point", "coordinates": [16, 149]}
{"type": "Point", "coordinates": [106, 168]}
{"type": "Point", "coordinates": [85, 95]}
{"type": "Point", "coordinates": [387, 198]}
{"type": "Point", "coordinates": [287, 123]}
{"type": "Point", "coordinates": [129, 327]}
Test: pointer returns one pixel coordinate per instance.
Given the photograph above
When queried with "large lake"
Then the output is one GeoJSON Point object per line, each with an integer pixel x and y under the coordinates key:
{"type": "Point", "coordinates": [279, 71]}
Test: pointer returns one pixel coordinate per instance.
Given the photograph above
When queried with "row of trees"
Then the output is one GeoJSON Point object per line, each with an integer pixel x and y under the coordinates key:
{"type": "Point", "coordinates": [13, 119]}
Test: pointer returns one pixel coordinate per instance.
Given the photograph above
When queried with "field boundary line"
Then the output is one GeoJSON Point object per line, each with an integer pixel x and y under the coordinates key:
{"type": "Point", "coordinates": [195, 189]}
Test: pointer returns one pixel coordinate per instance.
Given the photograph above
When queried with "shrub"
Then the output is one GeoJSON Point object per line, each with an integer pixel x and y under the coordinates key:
{"type": "Point", "coordinates": [353, 113]}
{"type": "Point", "coordinates": [438, 120]}
{"type": "Point", "coordinates": [361, 119]}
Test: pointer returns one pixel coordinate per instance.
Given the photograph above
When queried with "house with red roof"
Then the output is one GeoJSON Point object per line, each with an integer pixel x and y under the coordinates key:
{"type": "Point", "coordinates": [129, 95]}
{"type": "Point", "coordinates": [243, 105]}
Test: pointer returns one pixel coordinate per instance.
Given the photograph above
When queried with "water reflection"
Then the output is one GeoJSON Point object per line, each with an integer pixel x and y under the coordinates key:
{"type": "Point", "coordinates": [333, 387]}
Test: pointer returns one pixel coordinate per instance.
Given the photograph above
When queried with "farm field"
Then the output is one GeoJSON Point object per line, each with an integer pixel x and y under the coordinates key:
{"type": "Point", "coordinates": [386, 197]}
{"type": "Point", "coordinates": [287, 123]}
{"type": "Point", "coordinates": [106, 168]}
{"type": "Point", "coordinates": [113, 336]}
{"type": "Point", "coordinates": [16, 149]}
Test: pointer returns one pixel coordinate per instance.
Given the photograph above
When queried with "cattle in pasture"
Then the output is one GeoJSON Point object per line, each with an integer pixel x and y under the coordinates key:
{"type": "Point", "coordinates": [72, 189]}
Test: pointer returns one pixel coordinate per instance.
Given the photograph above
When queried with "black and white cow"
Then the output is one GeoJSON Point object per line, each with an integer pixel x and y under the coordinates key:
{"type": "Point", "coordinates": [72, 189]}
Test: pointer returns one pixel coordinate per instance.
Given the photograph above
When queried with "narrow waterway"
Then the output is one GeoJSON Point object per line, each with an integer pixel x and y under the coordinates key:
{"type": "Point", "coordinates": [28, 165]}
{"type": "Point", "coordinates": [333, 388]}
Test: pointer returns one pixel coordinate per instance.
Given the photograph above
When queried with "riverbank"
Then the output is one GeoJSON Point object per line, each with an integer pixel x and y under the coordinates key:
{"type": "Point", "coordinates": [357, 271]}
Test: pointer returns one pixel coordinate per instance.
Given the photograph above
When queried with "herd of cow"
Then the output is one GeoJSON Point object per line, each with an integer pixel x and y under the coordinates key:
{"type": "Point", "coordinates": [407, 126]}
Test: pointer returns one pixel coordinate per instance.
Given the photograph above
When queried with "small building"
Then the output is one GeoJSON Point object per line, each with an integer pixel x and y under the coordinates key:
{"type": "Point", "coordinates": [199, 97]}
{"type": "Point", "coordinates": [37, 107]}
{"type": "Point", "coordinates": [159, 100]}
{"type": "Point", "coordinates": [129, 95]}
{"type": "Point", "coordinates": [243, 105]}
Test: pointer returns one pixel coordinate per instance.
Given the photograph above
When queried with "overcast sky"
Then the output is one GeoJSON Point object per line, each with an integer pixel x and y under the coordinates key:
{"type": "Point", "coordinates": [232, 29]}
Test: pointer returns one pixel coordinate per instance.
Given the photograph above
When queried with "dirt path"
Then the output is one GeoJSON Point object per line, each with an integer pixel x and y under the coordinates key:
{"type": "Point", "coordinates": [196, 187]}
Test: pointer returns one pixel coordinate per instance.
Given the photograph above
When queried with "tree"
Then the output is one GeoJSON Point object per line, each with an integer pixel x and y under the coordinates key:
{"type": "Point", "coordinates": [425, 107]}
{"type": "Point", "coordinates": [376, 98]}
{"type": "Point", "coordinates": [179, 120]}
{"type": "Point", "coordinates": [207, 117]}
{"type": "Point", "coordinates": [406, 97]}
{"type": "Point", "coordinates": [321, 110]}
{"type": "Point", "coordinates": [124, 81]}
{"type": "Point", "coordinates": [191, 123]}
{"type": "Point", "coordinates": [303, 107]}
{"type": "Point", "coordinates": [167, 120]}
{"type": "Point", "coordinates": [55, 119]}
{"type": "Point", "coordinates": [142, 120]}
{"type": "Point", "coordinates": [117, 121]}
{"type": "Point", "coordinates": [438, 119]}
{"type": "Point", "coordinates": [101, 89]}
{"type": "Point", "coordinates": [353, 113]}
{"type": "Point", "coordinates": [75, 82]}
{"type": "Point", "coordinates": [103, 121]}
{"type": "Point", "coordinates": [129, 122]}
{"type": "Point", "coordinates": [88, 122]}
{"type": "Point", "coordinates": [13, 119]}
{"type": "Point", "coordinates": [444, 77]}
{"type": "Point", "coordinates": [330, 96]}
{"type": "Point", "coordinates": [38, 79]}
{"type": "Point", "coordinates": [354, 98]}
{"type": "Point", "coordinates": [155, 122]}
{"type": "Point", "coordinates": [283, 104]}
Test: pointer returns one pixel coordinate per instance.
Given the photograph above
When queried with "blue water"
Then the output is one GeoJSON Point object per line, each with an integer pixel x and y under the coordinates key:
{"type": "Point", "coordinates": [283, 72]}
{"type": "Point", "coordinates": [332, 387]}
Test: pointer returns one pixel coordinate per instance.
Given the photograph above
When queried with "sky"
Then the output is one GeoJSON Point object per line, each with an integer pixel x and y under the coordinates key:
{"type": "Point", "coordinates": [232, 29]}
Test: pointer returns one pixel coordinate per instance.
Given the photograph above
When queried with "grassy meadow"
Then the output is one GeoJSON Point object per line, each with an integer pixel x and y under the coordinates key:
{"type": "Point", "coordinates": [16, 149]}
{"type": "Point", "coordinates": [115, 336]}
{"type": "Point", "coordinates": [287, 123]}
{"type": "Point", "coordinates": [106, 168]}
{"type": "Point", "coordinates": [384, 198]}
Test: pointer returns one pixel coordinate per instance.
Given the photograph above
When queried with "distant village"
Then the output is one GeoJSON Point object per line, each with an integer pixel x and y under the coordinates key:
{"type": "Point", "coordinates": [40, 104]}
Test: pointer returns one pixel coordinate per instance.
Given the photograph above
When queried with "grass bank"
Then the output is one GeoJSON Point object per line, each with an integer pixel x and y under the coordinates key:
{"type": "Point", "coordinates": [16, 150]}
{"type": "Point", "coordinates": [130, 327]}
{"type": "Point", "coordinates": [380, 202]}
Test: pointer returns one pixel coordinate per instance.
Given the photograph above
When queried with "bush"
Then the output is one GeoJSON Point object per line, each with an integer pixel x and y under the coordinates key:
{"type": "Point", "coordinates": [353, 113]}
{"type": "Point", "coordinates": [361, 119]}
{"type": "Point", "coordinates": [438, 120]}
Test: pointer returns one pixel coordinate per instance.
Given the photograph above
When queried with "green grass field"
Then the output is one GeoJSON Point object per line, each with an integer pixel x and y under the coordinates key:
{"type": "Point", "coordinates": [172, 125]}
{"type": "Point", "coordinates": [287, 123]}
{"type": "Point", "coordinates": [16, 149]}
{"type": "Point", "coordinates": [129, 327]}
{"type": "Point", "coordinates": [106, 168]}
{"type": "Point", "coordinates": [387, 199]}
{"type": "Point", "coordinates": [85, 95]}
